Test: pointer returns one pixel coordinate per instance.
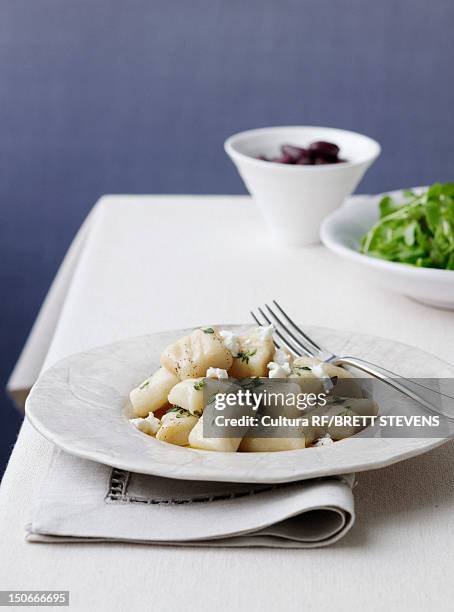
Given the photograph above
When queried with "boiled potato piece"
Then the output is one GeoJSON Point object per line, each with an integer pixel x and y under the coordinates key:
{"type": "Point", "coordinates": [312, 381]}
{"type": "Point", "coordinates": [152, 393]}
{"type": "Point", "coordinates": [307, 382]}
{"type": "Point", "coordinates": [350, 406]}
{"type": "Point", "coordinates": [329, 368]}
{"type": "Point", "coordinates": [188, 394]}
{"type": "Point", "coordinates": [281, 397]}
{"type": "Point", "coordinates": [176, 427]}
{"type": "Point", "coordinates": [256, 350]}
{"type": "Point", "coordinates": [362, 406]}
{"type": "Point", "coordinates": [226, 445]}
{"type": "Point", "coordinates": [339, 432]}
{"type": "Point", "coordinates": [259, 445]}
{"type": "Point", "coordinates": [313, 431]}
{"type": "Point", "coordinates": [192, 355]}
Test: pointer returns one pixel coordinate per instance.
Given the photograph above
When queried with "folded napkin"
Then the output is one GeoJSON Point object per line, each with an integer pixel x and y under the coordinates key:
{"type": "Point", "coordinates": [83, 501]}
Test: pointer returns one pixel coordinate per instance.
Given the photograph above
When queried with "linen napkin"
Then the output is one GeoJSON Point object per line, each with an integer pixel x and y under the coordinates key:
{"type": "Point", "coordinates": [83, 501]}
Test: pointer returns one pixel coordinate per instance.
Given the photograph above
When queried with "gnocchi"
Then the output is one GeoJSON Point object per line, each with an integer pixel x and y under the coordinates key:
{"type": "Point", "coordinates": [191, 356]}
{"type": "Point", "coordinates": [152, 393]}
{"type": "Point", "coordinates": [256, 350]}
{"type": "Point", "coordinates": [170, 404]}
{"type": "Point", "coordinates": [197, 440]}
{"type": "Point", "coordinates": [176, 427]}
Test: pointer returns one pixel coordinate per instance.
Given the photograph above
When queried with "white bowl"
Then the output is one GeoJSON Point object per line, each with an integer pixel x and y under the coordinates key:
{"type": "Point", "coordinates": [295, 199]}
{"type": "Point", "coordinates": [341, 232]}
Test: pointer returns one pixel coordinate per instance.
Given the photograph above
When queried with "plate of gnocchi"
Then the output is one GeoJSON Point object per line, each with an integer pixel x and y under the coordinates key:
{"type": "Point", "coordinates": [140, 405]}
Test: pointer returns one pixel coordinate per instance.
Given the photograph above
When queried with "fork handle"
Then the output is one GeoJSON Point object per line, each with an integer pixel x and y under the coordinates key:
{"type": "Point", "coordinates": [421, 394]}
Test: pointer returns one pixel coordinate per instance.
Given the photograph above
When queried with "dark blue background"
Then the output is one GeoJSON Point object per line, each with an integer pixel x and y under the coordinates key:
{"type": "Point", "coordinates": [138, 96]}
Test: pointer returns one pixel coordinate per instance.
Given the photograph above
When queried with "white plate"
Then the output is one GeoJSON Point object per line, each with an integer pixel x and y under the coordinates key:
{"type": "Point", "coordinates": [80, 404]}
{"type": "Point", "coordinates": [342, 231]}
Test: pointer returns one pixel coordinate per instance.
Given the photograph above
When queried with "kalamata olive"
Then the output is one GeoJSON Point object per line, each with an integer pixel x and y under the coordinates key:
{"type": "Point", "coordinates": [328, 159]}
{"type": "Point", "coordinates": [307, 159]}
{"type": "Point", "coordinates": [318, 153]}
{"type": "Point", "coordinates": [294, 152]}
{"type": "Point", "coordinates": [284, 159]}
{"type": "Point", "coordinates": [324, 148]}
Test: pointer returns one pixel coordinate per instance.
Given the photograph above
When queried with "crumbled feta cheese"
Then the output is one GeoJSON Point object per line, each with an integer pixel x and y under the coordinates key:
{"type": "Point", "coordinates": [265, 333]}
{"type": "Point", "coordinates": [217, 373]}
{"type": "Point", "coordinates": [278, 370]}
{"type": "Point", "coordinates": [148, 425]}
{"type": "Point", "coordinates": [280, 366]}
{"type": "Point", "coordinates": [324, 441]}
{"type": "Point", "coordinates": [281, 357]}
{"type": "Point", "coordinates": [319, 371]}
{"type": "Point", "coordinates": [230, 341]}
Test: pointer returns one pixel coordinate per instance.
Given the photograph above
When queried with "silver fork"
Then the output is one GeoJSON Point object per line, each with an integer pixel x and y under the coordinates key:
{"type": "Point", "coordinates": [299, 343]}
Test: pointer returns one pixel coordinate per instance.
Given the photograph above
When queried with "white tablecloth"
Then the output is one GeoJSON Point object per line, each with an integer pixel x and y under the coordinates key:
{"type": "Point", "coordinates": [151, 263]}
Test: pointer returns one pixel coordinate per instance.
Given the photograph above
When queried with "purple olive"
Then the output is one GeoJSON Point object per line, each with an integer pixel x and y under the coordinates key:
{"type": "Point", "coordinates": [323, 148]}
{"type": "Point", "coordinates": [306, 158]}
{"type": "Point", "coordinates": [327, 159]}
{"type": "Point", "coordinates": [284, 159]}
{"type": "Point", "coordinates": [318, 153]}
{"type": "Point", "coordinates": [294, 152]}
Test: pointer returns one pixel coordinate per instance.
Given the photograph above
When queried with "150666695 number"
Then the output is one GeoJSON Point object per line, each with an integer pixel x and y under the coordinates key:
{"type": "Point", "coordinates": [34, 598]}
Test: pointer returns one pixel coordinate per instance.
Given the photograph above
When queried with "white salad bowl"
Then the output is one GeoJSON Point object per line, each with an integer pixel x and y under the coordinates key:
{"type": "Point", "coordinates": [81, 404]}
{"type": "Point", "coordinates": [294, 199]}
{"type": "Point", "coordinates": [342, 231]}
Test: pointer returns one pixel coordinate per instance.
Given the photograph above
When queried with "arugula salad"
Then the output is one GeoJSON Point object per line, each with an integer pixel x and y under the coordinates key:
{"type": "Point", "coordinates": [419, 231]}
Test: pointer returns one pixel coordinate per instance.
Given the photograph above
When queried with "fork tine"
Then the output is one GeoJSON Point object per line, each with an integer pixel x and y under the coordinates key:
{"type": "Point", "coordinates": [285, 341]}
{"type": "Point", "coordinates": [252, 313]}
{"type": "Point", "coordinates": [298, 329]}
{"type": "Point", "coordinates": [304, 346]}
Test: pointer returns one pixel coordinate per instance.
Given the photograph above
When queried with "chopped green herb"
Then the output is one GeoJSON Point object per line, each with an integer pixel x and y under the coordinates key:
{"type": "Point", "coordinates": [180, 411]}
{"type": "Point", "coordinates": [246, 355]}
{"type": "Point", "coordinates": [199, 385]}
{"type": "Point", "coordinates": [337, 401]}
{"type": "Point", "coordinates": [347, 411]}
{"type": "Point", "coordinates": [208, 330]}
{"type": "Point", "coordinates": [144, 384]}
{"type": "Point", "coordinates": [307, 368]}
